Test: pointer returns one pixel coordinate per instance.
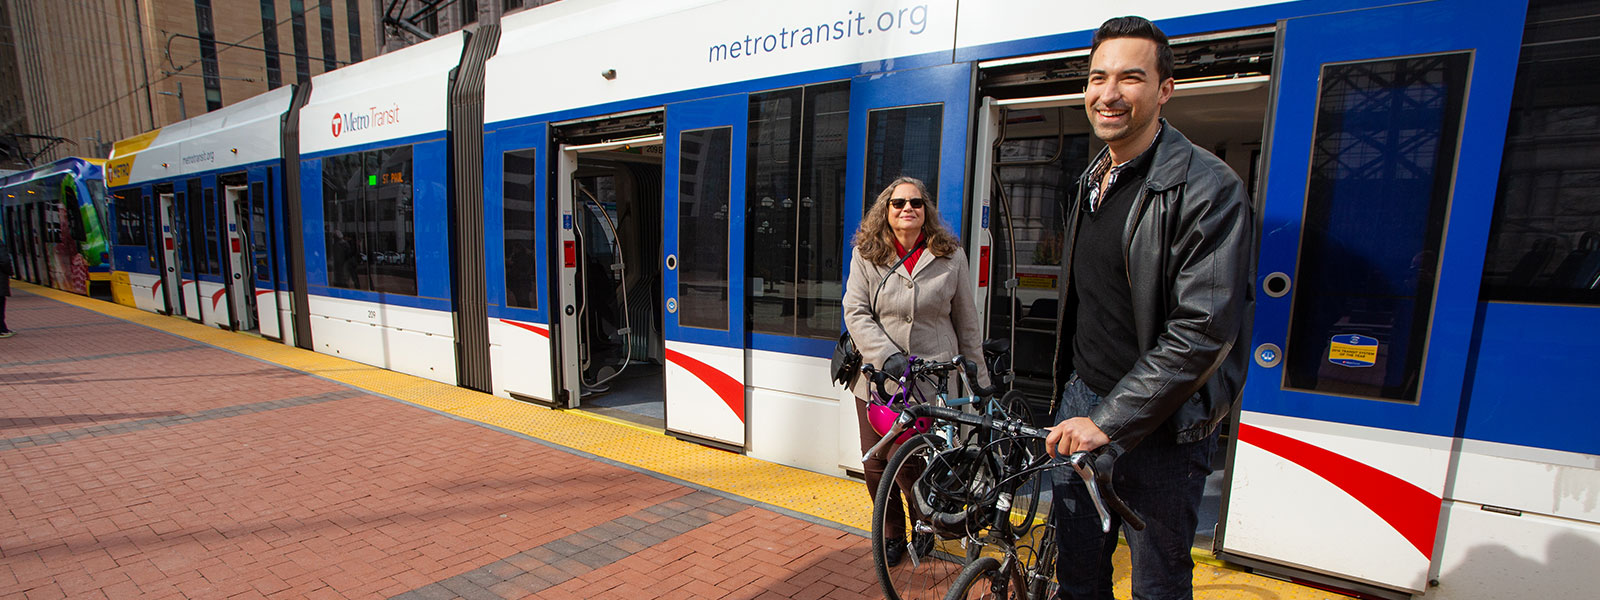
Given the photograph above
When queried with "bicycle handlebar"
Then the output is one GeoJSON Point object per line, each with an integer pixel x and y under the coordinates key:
{"type": "Point", "coordinates": [1095, 466]}
{"type": "Point", "coordinates": [967, 366]}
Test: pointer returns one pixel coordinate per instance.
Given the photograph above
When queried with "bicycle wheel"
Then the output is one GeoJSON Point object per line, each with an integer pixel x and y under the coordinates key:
{"type": "Point", "coordinates": [928, 566]}
{"type": "Point", "coordinates": [986, 579]}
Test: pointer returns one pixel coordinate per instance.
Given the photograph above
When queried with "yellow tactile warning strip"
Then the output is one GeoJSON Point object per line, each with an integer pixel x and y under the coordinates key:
{"type": "Point", "coordinates": [821, 497]}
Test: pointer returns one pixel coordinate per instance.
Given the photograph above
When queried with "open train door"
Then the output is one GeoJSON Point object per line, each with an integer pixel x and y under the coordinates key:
{"type": "Point", "coordinates": [171, 249]}
{"type": "Point", "coordinates": [236, 244]}
{"type": "Point", "coordinates": [704, 279]}
{"type": "Point", "coordinates": [259, 236]}
{"type": "Point", "coordinates": [1372, 242]}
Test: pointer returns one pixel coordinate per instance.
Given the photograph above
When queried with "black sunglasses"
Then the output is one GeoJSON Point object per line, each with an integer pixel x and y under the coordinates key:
{"type": "Point", "coordinates": [900, 203]}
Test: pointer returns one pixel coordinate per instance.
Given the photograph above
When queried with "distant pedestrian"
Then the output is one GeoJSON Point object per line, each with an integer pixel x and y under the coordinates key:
{"type": "Point", "coordinates": [5, 288]}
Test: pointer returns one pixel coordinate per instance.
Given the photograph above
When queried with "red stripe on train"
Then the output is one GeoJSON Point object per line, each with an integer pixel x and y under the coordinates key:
{"type": "Point", "coordinates": [534, 328]}
{"type": "Point", "coordinates": [726, 387]}
{"type": "Point", "coordinates": [1410, 510]}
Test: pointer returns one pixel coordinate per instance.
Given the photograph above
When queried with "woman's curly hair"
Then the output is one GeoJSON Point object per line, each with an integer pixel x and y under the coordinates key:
{"type": "Point", "coordinates": [874, 240]}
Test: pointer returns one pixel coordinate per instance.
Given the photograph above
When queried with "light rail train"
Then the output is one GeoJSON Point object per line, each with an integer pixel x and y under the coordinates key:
{"type": "Point", "coordinates": [53, 220]}
{"type": "Point", "coordinates": [646, 206]}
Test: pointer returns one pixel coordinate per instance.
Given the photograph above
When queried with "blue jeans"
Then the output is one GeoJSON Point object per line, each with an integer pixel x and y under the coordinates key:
{"type": "Point", "coordinates": [1163, 482]}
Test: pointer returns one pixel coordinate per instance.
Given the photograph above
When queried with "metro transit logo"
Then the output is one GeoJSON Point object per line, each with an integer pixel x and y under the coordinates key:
{"type": "Point", "coordinates": [357, 121]}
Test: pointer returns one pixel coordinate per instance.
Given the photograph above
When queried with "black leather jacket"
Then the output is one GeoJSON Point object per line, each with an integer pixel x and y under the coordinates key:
{"type": "Point", "coordinates": [1191, 265]}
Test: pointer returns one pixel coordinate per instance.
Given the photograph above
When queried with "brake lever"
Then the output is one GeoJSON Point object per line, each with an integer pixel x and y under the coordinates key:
{"type": "Point", "coordinates": [1080, 462]}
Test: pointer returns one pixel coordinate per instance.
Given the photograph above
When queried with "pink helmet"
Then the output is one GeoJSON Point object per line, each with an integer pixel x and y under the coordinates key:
{"type": "Point", "coordinates": [882, 419]}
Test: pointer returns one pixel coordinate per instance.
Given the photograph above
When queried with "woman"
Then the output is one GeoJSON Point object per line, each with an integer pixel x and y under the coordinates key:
{"type": "Point", "coordinates": [924, 309]}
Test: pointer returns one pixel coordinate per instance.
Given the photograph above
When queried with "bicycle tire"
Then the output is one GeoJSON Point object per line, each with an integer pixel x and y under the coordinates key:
{"type": "Point", "coordinates": [979, 580]}
{"type": "Point", "coordinates": [922, 577]}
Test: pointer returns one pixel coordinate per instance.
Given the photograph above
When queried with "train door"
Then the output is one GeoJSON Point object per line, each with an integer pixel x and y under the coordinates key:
{"type": "Point", "coordinates": [705, 270]}
{"type": "Point", "coordinates": [171, 248]}
{"type": "Point", "coordinates": [210, 253]}
{"type": "Point", "coordinates": [240, 263]}
{"type": "Point", "coordinates": [39, 251]}
{"type": "Point", "coordinates": [914, 123]}
{"type": "Point", "coordinates": [607, 340]}
{"type": "Point", "coordinates": [1387, 128]}
{"type": "Point", "coordinates": [259, 236]}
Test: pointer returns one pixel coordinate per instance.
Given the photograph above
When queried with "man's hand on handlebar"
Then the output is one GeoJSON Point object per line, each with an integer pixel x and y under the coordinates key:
{"type": "Point", "coordinates": [1078, 434]}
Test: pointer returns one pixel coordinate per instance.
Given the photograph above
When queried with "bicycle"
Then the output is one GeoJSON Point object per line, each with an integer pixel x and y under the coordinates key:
{"type": "Point", "coordinates": [933, 554]}
{"type": "Point", "coordinates": [972, 489]}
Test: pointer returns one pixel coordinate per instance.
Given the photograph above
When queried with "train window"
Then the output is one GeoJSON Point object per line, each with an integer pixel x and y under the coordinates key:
{"type": "Point", "coordinates": [153, 227]}
{"type": "Point", "coordinates": [1383, 158]}
{"type": "Point", "coordinates": [344, 220]}
{"type": "Point", "coordinates": [260, 248]}
{"type": "Point", "coordinates": [368, 220]}
{"type": "Point", "coordinates": [130, 221]}
{"type": "Point", "coordinates": [392, 223]}
{"type": "Point", "coordinates": [772, 184]}
{"type": "Point", "coordinates": [820, 249]}
{"type": "Point", "coordinates": [521, 273]}
{"type": "Point", "coordinates": [902, 141]}
{"type": "Point", "coordinates": [1544, 243]}
{"type": "Point", "coordinates": [193, 216]}
{"type": "Point", "coordinates": [795, 198]}
{"type": "Point", "coordinates": [703, 227]}
{"type": "Point", "coordinates": [213, 265]}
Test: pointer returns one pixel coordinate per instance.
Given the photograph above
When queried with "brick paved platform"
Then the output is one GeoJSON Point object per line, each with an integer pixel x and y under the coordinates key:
{"type": "Point", "coordinates": [147, 456]}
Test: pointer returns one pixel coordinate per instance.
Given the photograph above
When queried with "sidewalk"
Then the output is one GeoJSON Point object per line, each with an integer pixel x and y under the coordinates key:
{"type": "Point", "coordinates": [147, 456]}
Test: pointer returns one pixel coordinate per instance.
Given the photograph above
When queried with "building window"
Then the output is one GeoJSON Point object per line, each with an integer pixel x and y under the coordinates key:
{"type": "Point", "coordinates": [794, 201]}
{"type": "Point", "coordinates": [208, 54]}
{"type": "Point", "coordinates": [269, 40]}
{"type": "Point", "coordinates": [302, 53]}
{"type": "Point", "coordinates": [353, 23]}
{"type": "Point", "coordinates": [1544, 243]}
{"type": "Point", "coordinates": [368, 221]}
{"type": "Point", "coordinates": [330, 57]}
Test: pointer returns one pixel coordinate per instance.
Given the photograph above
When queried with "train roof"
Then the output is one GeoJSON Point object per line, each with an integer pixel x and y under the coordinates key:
{"type": "Point", "coordinates": [243, 133]}
{"type": "Point", "coordinates": [86, 168]}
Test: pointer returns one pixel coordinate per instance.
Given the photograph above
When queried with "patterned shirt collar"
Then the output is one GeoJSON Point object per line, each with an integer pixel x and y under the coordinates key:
{"type": "Point", "coordinates": [1108, 173]}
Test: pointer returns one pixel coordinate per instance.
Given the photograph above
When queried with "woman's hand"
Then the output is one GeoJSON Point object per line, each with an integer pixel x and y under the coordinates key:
{"type": "Point", "coordinates": [895, 366]}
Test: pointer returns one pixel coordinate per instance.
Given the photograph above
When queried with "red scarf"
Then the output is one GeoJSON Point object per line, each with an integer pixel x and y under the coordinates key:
{"type": "Point", "coordinates": [911, 263]}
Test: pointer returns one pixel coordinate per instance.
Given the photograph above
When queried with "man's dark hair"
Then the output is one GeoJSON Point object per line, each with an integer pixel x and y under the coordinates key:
{"type": "Point", "coordinates": [1141, 28]}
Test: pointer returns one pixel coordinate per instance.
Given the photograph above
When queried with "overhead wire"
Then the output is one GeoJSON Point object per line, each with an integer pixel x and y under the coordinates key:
{"type": "Point", "coordinates": [178, 68]}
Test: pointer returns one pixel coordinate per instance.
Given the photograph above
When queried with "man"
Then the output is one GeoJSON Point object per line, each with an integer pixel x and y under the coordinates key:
{"type": "Point", "coordinates": [5, 287]}
{"type": "Point", "coordinates": [1155, 319]}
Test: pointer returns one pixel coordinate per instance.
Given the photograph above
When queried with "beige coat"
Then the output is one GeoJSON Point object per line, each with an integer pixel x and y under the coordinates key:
{"type": "Point", "coordinates": [928, 313]}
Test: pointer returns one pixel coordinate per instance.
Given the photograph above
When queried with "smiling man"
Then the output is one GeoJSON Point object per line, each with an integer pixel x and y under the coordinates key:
{"type": "Point", "coordinates": [1154, 324]}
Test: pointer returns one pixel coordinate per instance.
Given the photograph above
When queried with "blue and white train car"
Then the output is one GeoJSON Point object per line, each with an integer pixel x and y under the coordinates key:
{"type": "Point", "coordinates": [373, 175]}
{"type": "Point", "coordinates": [197, 207]}
{"type": "Point", "coordinates": [722, 165]}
